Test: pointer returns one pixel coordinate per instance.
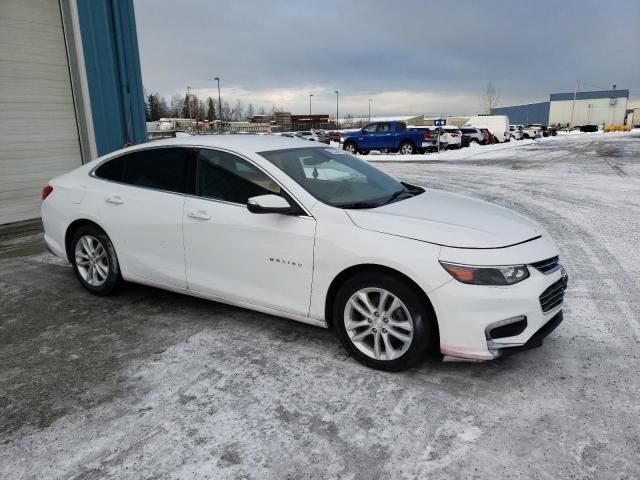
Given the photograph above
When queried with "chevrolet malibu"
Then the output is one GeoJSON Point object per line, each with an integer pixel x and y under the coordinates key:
{"type": "Point", "coordinates": [314, 234]}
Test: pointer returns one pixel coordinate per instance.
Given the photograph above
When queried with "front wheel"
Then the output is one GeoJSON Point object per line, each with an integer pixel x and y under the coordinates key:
{"type": "Point", "coordinates": [383, 322]}
{"type": "Point", "coordinates": [350, 147]}
{"type": "Point", "coordinates": [94, 260]}
{"type": "Point", "coordinates": [407, 148]}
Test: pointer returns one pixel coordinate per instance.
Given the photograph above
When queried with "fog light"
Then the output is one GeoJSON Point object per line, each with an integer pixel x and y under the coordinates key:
{"type": "Point", "coordinates": [506, 328]}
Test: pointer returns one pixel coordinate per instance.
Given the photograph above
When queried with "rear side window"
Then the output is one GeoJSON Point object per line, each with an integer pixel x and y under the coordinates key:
{"type": "Point", "coordinates": [111, 170]}
{"type": "Point", "coordinates": [158, 168]}
{"type": "Point", "coordinates": [223, 176]}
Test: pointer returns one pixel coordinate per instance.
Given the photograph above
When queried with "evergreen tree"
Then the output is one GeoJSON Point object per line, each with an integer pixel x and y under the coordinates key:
{"type": "Point", "coordinates": [211, 110]}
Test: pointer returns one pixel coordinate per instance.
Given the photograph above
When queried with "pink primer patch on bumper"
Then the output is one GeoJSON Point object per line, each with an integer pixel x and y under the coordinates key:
{"type": "Point", "coordinates": [466, 353]}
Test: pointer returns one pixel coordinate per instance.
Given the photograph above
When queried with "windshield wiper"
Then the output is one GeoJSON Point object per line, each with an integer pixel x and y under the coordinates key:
{"type": "Point", "coordinates": [358, 205]}
{"type": "Point", "coordinates": [397, 194]}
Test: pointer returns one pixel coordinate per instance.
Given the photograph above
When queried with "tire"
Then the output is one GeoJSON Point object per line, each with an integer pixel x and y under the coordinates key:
{"type": "Point", "coordinates": [411, 311]}
{"type": "Point", "coordinates": [407, 148]}
{"type": "Point", "coordinates": [525, 136]}
{"type": "Point", "coordinates": [94, 260]}
{"type": "Point", "coordinates": [351, 147]}
{"type": "Point", "coordinates": [364, 152]}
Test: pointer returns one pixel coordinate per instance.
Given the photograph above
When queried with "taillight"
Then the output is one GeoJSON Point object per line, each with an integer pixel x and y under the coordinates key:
{"type": "Point", "coordinates": [425, 136]}
{"type": "Point", "coordinates": [46, 191]}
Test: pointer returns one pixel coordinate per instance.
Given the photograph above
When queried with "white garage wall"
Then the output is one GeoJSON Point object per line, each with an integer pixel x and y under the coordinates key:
{"type": "Point", "coordinates": [588, 112]}
{"type": "Point", "coordinates": [38, 129]}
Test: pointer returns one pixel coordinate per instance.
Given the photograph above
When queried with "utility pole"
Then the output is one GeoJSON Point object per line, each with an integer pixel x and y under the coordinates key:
{"type": "Point", "coordinates": [573, 107]}
{"type": "Point", "coordinates": [310, 95]}
{"type": "Point", "coordinates": [219, 101]}
{"type": "Point", "coordinates": [337, 126]}
{"type": "Point", "coordinates": [369, 110]}
{"type": "Point", "coordinates": [189, 103]}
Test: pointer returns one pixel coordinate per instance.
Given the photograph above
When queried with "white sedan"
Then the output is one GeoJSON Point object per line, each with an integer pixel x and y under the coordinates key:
{"type": "Point", "coordinates": [314, 234]}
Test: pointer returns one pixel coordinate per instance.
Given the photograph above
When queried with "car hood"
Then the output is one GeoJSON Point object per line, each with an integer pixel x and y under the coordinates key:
{"type": "Point", "coordinates": [450, 220]}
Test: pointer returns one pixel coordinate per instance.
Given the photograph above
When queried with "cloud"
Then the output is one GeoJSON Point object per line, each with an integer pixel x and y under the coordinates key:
{"type": "Point", "coordinates": [409, 56]}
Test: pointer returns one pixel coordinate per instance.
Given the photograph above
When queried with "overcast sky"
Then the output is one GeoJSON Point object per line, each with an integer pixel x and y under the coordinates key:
{"type": "Point", "coordinates": [408, 56]}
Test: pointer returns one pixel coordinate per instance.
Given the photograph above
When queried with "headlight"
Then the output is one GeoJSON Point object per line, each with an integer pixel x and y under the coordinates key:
{"type": "Point", "coordinates": [503, 275]}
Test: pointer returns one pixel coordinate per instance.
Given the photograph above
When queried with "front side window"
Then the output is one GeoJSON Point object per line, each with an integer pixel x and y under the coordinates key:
{"type": "Point", "coordinates": [371, 128]}
{"type": "Point", "coordinates": [164, 169]}
{"type": "Point", "coordinates": [224, 176]}
{"type": "Point", "coordinates": [337, 178]}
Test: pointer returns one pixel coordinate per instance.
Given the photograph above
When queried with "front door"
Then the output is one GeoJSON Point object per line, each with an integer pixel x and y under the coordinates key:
{"type": "Point", "coordinates": [261, 259]}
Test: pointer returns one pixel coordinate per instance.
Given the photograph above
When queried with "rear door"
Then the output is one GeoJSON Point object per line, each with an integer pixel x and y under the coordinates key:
{"type": "Point", "coordinates": [260, 259]}
{"type": "Point", "coordinates": [140, 205]}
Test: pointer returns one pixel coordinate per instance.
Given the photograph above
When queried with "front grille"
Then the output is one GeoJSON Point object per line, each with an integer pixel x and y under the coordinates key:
{"type": "Point", "coordinates": [547, 266]}
{"type": "Point", "coordinates": [554, 295]}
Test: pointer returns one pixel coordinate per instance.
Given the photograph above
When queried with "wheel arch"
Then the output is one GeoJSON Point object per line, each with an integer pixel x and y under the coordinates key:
{"type": "Point", "coordinates": [73, 226]}
{"type": "Point", "coordinates": [376, 268]}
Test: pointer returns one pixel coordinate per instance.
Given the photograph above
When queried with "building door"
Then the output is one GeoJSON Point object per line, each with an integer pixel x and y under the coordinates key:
{"type": "Point", "coordinates": [38, 130]}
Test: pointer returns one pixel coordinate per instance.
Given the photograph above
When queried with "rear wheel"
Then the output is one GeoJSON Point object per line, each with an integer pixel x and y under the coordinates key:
{"type": "Point", "coordinates": [383, 322]}
{"type": "Point", "coordinates": [407, 148]}
{"type": "Point", "coordinates": [350, 147]}
{"type": "Point", "coordinates": [94, 260]}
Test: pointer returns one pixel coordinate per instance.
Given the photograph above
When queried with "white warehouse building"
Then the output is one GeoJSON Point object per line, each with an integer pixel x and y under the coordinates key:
{"type": "Point", "coordinates": [591, 108]}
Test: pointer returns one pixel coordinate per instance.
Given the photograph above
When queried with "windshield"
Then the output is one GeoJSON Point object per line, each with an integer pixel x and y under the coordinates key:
{"type": "Point", "coordinates": [337, 178]}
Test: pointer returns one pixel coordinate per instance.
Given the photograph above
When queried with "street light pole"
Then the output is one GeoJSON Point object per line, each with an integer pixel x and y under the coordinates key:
{"type": "Point", "coordinates": [310, 95]}
{"type": "Point", "coordinates": [337, 126]}
{"type": "Point", "coordinates": [219, 100]}
{"type": "Point", "coordinates": [189, 104]}
{"type": "Point", "coordinates": [369, 110]}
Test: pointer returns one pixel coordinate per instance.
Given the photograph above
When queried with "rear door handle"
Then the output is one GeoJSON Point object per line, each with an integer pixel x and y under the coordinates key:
{"type": "Point", "coordinates": [115, 199]}
{"type": "Point", "coordinates": [199, 215]}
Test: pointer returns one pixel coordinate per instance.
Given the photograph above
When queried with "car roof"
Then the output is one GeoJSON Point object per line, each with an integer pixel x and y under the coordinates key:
{"type": "Point", "coordinates": [240, 143]}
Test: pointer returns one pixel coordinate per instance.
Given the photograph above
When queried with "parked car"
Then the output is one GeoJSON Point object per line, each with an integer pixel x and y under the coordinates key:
{"type": "Point", "coordinates": [488, 136]}
{"type": "Point", "coordinates": [498, 125]}
{"type": "Point", "coordinates": [255, 221]}
{"type": "Point", "coordinates": [475, 135]}
{"type": "Point", "coordinates": [531, 131]}
{"type": "Point", "coordinates": [334, 136]}
{"type": "Point", "coordinates": [516, 132]}
{"type": "Point", "coordinates": [390, 136]}
{"type": "Point", "coordinates": [452, 137]}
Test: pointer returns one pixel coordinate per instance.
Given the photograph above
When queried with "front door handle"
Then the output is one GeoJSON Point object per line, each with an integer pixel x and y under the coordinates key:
{"type": "Point", "coordinates": [199, 215]}
{"type": "Point", "coordinates": [115, 199]}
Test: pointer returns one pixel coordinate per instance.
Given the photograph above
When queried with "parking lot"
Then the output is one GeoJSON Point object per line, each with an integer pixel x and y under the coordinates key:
{"type": "Point", "coordinates": [150, 384]}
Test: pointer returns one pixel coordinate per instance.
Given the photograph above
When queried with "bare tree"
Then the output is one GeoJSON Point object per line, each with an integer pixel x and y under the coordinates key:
{"type": "Point", "coordinates": [490, 98]}
{"type": "Point", "coordinates": [250, 110]}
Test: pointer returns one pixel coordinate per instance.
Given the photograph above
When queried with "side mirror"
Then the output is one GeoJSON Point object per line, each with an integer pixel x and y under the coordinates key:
{"type": "Point", "coordinates": [270, 203]}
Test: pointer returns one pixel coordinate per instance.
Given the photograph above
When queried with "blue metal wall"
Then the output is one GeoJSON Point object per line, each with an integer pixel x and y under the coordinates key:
{"type": "Point", "coordinates": [555, 97]}
{"type": "Point", "coordinates": [525, 114]}
{"type": "Point", "coordinates": [110, 45]}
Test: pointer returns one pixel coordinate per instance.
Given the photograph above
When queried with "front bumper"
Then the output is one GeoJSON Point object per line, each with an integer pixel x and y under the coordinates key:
{"type": "Point", "coordinates": [467, 312]}
{"type": "Point", "coordinates": [537, 338]}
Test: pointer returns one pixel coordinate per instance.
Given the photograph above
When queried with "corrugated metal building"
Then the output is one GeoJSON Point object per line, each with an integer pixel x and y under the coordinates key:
{"type": "Point", "coordinates": [70, 90]}
{"type": "Point", "coordinates": [525, 114]}
{"type": "Point", "coordinates": [591, 108]}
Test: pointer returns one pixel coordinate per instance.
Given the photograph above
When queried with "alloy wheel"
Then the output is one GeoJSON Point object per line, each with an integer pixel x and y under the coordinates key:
{"type": "Point", "coordinates": [92, 261]}
{"type": "Point", "coordinates": [406, 149]}
{"type": "Point", "coordinates": [378, 323]}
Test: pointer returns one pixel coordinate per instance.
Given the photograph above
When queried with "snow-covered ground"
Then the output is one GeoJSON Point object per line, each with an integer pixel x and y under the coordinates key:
{"type": "Point", "coordinates": [148, 384]}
